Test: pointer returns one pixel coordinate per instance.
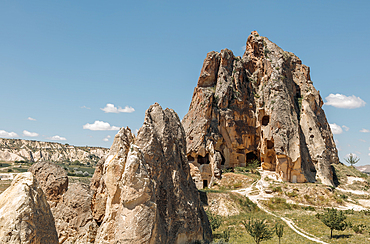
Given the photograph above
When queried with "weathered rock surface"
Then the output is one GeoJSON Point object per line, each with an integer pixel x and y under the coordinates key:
{"type": "Point", "coordinates": [52, 178]}
{"type": "Point", "coordinates": [71, 206]}
{"type": "Point", "coordinates": [25, 215]}
{"type": "Point", "coordinates": [260, 106]}
{"type": "Point", "coordinates": [73, 217]}
{"type": "Point", "coordinates": [36, 151]}
{"type": "Point", "coordinates": [146, 188]}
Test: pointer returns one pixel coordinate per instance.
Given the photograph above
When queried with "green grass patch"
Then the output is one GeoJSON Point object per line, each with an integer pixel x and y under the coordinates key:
{"type": "Point", "coordinates": [2, 165]}
{"type": "Point", "coordinates": [309, 223]}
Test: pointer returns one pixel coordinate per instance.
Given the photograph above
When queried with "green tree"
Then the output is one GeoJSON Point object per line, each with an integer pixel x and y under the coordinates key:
{"type": "Point", "coordinates": [279, 230]}
{"type": "Point", "coordinates": [334, 219]}
{"type": "Point", "coordinates": [258, 229]}
{"type": "Point", "coordinates": [352, 159]}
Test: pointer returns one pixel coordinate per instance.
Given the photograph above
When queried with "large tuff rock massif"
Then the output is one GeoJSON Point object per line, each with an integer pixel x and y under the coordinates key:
{"type": "Point", "coordinates": [70, 204]}
{"type": "Point", "coordinates": [25, 216]}
{"type": "Point", "coordinates": [260, 106]}
{"type": "Point", "coordinates": [143, 190]}
{"type": "Point", "coordinates": [37, 151]}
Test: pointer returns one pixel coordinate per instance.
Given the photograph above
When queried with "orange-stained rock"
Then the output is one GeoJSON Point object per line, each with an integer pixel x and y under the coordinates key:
{"type": "Point", "coordinates": [260, 106]}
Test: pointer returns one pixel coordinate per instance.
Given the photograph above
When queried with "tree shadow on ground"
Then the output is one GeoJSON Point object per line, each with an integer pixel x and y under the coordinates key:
{"type": "Point", "coordinates": [342, 236]}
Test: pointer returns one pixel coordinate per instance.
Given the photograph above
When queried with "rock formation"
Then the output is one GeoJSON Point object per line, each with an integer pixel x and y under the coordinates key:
{"type": "Point", "coordinates": [52, 178]}
{"type": "Point", "coordinates": [70, 205]}
{"type": "Point", "coordinates": [260, 106]}
{"type": "Point", "coordinates": [143, 191]}
{"type": "Point", "coordinates": [37, 151]}
{"type": "Point", "coordinates": [73, 217]}
{"type": "Point", "coordinates": [25, 215]}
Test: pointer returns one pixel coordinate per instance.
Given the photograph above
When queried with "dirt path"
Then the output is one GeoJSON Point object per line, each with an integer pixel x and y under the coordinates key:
{"type": "Point", "coordinates": [264, 196]}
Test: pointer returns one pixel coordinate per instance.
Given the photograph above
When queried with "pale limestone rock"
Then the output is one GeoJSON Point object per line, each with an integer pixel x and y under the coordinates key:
{"type": "Point", "coordinates": [260, 106]}
{"type": "Point", "coordinates": [25, 215]}
{"type": "Point", "coordinates": [146, 186]}
{"type": "Point", "coordinates": [71, 206]}
{"type": "Point", "coordinates": [36, 151]}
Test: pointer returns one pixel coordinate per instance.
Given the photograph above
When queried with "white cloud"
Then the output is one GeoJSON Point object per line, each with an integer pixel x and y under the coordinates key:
{"type": "Point", "coordinates": [354, 155]}
{"type": "Point", "coordinates": [106, 138]}
{"type": "Point", "coordinates": [30, 134]}
{"type": "Point", "coordinates": [364, 130]}
{"type": "Point", "coordinates": [32, 119]}
{"type": "Point", "coordinates": [57, 138]}
{"type": "Point", "coordinates": [85, 107]}
{"type": "Point", "coordinates": [100, 125]}
{"type": "Point", "coordinates": [357, 152]}
{"type": "Point", "coordinates": [345, 128]}
{"type": "Point", "coordinates": [110, 108]}
{"type": "Point", "coordinates": [336, 129]}
{"type": "Point", "coordinates": [4, 133]}
{"type": "Point", "coordinates": [362, 140]}
{"type": "Point", "coordinates": [136, 131]}
{"type": "Point", "coordinates": [342, 101]}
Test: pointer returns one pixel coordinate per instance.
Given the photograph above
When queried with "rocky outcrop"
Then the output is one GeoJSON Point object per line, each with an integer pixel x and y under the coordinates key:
{"type": "Point", "coordinates": [37, 151]}
{"type": "Point", "coordinates": [73, 217]}
{"type": "Point", "coordinates": [70, 205]}
{"type": "Point", "coordinates": [25, 215]}
{"type": "Point", "coordinates": [260, 106]}
{"type": "Point", "coordinates": [146, 188]}
{"type": "Point", "coordinates": [52, 178]}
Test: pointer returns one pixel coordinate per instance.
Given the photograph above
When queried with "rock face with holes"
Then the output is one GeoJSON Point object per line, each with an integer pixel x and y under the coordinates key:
{"type": "Point", "coordinates": [25, 215]}
{"type": "Point", "coordinates": [143, 190]}
{"type": "Point", "coordinates": [260, 106]}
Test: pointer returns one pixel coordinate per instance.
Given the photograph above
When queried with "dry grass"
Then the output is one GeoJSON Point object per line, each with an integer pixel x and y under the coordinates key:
{"type": "Point", "coordinates": [231, 181]}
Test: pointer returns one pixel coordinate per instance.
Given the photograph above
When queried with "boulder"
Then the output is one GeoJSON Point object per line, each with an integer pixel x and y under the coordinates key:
{"type": "Point", "coordinates": [71, 206]}
{"type": "Point", "coordinates": [146, 186]}
{"type": "Point", "coordinates": [262, 106]}
{"type": "Point", "coordinates": [25, 215]}
{"type": "Point", "coordinates": [52, 178]}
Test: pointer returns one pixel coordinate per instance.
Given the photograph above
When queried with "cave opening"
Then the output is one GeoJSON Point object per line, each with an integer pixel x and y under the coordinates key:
{"type": "Point", "coordinates": [203, 160]}
{"type": "Point", "coordinates": [265, 120]}
{"type": "Point", "coordinates": [205, 183]}
{"type": "Point", "coordinates": [190, 158]}
{"type": "Point", "coordinates": [251, 156]}
{"type": "Point", "coordinates": [270, 144]}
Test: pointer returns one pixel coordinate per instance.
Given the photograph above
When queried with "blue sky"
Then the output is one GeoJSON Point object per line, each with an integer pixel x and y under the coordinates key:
{"type": "Point", "coordinates": [62, 62]}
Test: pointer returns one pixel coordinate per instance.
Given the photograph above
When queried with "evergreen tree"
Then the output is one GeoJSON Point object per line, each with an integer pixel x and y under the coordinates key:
{"type": "Point", "coordinates": [334, 219]}
{"type": "Point", "coordinates": [352, 159]}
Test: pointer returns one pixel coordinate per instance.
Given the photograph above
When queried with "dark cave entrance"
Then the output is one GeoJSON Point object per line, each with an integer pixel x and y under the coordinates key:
{"type": "Point", "coordinates": [251, 156]}
{"type": "Point", "coordinates": [203, 160]}
{"type": "Point", "coordinates": [265, 120]}
{"type": "Point", "coordinates": [205, 183]}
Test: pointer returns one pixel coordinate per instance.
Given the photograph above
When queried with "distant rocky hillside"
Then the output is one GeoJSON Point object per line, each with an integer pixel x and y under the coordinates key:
{"type": "Point", "coordinates": [364, 168]}
{"type": "Point", "coordinates": [261, 106]}
{"type": "Point", "coordinates": [34, 151]}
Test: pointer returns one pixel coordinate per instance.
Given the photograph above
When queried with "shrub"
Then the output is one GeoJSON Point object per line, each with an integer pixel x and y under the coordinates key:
{"type": "Point", "coordinates": [214, 220]}
{"type": "Point", "coordinates": [279, 230]}
{"type": "Point", "coordinates": [277, 189]}
{"type": "Point", "coordinates": [358, 229]}
{"type": "Point", "coordinates": [258, 230]}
